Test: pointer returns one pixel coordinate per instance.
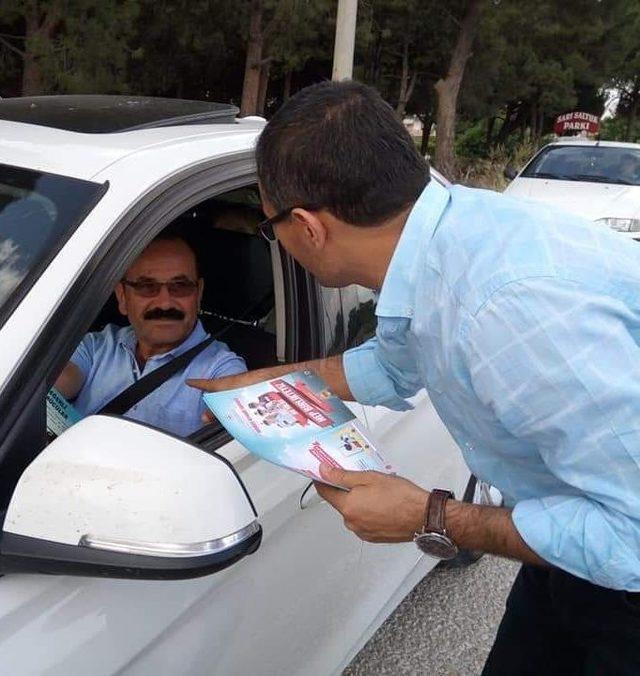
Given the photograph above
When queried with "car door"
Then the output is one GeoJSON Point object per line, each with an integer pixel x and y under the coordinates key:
{"type": "Point", "coordinates": [278, 611]}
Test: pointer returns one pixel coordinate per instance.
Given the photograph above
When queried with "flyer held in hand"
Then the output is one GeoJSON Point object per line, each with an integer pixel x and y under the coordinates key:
{"type": "Point", "coordinates": [296, 422]}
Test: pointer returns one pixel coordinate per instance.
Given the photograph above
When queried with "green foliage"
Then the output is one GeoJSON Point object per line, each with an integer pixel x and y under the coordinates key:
{"type": "Point", "coordinates": [75, 45]}
{"type": "Point", "coordinates": [304, 31]}
{"type": "Point", "coordinates": [537, 60]}
{"type": "Point", "coordinates": [426, 29]}
{"type": "Point", "coordinates": [531, 61]}
{"type": "Point", "coordinates": [471, 140]}
{"type": "Point", "coordinates": [488, 171]}
{"type": "Point", "coordinates": [615, 129]}
{"type": "Point", "coordinates": [106, 25]}
{"type": "Point", "coordinates": [189, 49]}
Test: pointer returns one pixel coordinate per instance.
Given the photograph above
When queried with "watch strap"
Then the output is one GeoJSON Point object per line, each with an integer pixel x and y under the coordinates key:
{"type": "Point", "coordinates": [435, 510]}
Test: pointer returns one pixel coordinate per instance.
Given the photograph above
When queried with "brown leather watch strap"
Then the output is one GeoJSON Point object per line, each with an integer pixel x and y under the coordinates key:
{"type": "Point", "coordinates": [434, 512]}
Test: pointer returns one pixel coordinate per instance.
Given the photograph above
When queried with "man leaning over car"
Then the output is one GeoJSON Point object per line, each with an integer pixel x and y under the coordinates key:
{"type": "Point", "coordinates": [160, 295]}
{"type": "Point", "coordinates": [523, 325]}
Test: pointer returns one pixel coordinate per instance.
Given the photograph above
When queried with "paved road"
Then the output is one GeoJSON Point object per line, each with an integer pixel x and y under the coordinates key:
{"type": "Point", "coordinates": [445, 626]}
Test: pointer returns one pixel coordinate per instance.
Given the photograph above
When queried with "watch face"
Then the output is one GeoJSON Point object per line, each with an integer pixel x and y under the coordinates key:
{"type": "Point", "coordinates": [437, 545]}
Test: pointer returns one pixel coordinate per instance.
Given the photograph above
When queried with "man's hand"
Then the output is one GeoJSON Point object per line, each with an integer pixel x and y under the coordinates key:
{"type": "Point", "coordinates": [386, 508]}
{"type": "Point", "coordinates": [377, 507]}
{"type": "Point", "coordinates": [232, 382]}
{"type": "Point", "coordinates": [223, 384]}
{"type": "Point", "coordinates": [329, 369]}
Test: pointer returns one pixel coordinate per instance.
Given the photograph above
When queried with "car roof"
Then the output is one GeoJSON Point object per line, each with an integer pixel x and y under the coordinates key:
{"type": "Point", "coordinates": [578, 141]}
{"type": "Point", "coordinates": [97, 114]}
{"type": "Point", "coordinates": [83, 155]}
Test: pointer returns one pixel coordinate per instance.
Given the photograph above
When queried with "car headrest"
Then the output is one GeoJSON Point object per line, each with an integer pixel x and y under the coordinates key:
{"type": "Point", "coordinates": [238, 278]}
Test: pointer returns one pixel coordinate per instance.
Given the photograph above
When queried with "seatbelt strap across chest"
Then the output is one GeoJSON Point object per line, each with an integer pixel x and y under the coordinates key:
{"type": "Point", "coordinates": [136, 392]}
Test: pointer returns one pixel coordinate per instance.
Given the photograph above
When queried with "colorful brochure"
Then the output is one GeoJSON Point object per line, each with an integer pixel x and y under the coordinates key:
{"type": "Point", "coordinates": [60, 414]}
{"type": "Point", "coordinates": [296, 422]}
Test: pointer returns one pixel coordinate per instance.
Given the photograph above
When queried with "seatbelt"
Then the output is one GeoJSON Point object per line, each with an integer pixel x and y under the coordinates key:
{"type": "Point", "coordinates": [122, 402]}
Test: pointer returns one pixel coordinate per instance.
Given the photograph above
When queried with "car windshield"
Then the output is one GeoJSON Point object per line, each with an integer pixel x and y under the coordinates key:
{"type": "Point", "coordinates": [593, 164]}
{"type": "Point", "coordinates": [38, 212]}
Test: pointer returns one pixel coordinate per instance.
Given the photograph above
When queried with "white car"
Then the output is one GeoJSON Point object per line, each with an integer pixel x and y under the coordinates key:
{"type": "Point", "coordinates": [599, 180]}
{"type": "Point", "coordinates": [145, 538]}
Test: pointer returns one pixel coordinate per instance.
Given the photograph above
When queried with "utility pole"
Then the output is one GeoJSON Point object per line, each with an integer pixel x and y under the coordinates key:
{"type": "Point", "coordinates": [345, 40]}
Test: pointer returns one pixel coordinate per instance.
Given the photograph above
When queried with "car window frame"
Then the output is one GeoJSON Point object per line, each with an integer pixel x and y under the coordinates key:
{"type": "Point", "coordinates": [22, 400]}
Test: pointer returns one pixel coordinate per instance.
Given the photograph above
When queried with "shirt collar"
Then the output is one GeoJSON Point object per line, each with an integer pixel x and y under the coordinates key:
{"type": "Point", "coordinates": [129, 341]}
{"type": "Point", "coordinates": [397, 296]}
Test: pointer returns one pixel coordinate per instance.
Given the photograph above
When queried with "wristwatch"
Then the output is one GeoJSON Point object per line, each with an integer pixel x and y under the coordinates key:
{"type": "Point", "coordinates": [433, 539]}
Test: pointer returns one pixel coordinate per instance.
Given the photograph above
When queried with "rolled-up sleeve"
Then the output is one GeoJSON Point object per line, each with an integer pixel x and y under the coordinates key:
{"type": "Point", "coordinates": [84, 354]}
{"type": "Point", "coordinates": [377, 377]}
{"type": "Point", "coordinates": [559, 366]}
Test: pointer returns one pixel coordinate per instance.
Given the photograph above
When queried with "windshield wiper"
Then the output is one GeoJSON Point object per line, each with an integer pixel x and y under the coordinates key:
{"type": "Point", "coordinates": [593, 178]}
{"type": "Point", "coordinates": [557, 177]}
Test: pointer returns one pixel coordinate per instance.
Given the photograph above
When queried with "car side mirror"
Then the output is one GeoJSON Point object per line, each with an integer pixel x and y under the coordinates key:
{"type": "Point", "coordinates": [111, 497]}
{"type": "Point", "coordinates": [510, 172]}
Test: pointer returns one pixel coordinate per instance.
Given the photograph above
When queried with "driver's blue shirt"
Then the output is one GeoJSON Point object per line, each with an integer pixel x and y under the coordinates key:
{"type": "Point", "coordinates": [107, 360]}
{"type": "Point", "coordinates": [523, 325]}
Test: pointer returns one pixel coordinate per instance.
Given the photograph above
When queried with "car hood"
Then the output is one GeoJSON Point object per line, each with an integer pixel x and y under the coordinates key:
{"type": "Point", "coordinates": [591, 200]}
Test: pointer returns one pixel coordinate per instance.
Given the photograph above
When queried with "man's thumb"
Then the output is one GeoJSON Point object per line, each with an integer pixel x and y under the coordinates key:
{"type": "Point", "coordinates": [341, 477]}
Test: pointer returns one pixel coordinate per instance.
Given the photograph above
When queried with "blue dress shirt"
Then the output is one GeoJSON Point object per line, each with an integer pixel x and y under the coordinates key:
{"type": "Point", "coordinates": [523, 325]}
{"type": "Point", "coordinates": [107, 360]}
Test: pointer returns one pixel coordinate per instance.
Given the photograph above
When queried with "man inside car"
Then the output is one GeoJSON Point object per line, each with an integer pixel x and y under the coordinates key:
{"type": "Point", "coordinates": [160, 295]}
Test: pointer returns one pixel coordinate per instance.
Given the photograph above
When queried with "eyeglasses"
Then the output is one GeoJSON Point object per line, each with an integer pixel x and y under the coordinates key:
{"type": "Point", "coordinates": [265, 228]}
{"type": "Point", "coordinates": [178, 288]}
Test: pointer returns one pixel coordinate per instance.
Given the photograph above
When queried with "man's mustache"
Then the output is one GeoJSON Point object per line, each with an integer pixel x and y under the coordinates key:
{"type": "Point", "coordinates": [160, 313]}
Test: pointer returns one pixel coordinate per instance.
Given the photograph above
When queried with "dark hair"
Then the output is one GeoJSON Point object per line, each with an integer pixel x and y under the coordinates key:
{"type": "Point", "coordinates": [339, 145]}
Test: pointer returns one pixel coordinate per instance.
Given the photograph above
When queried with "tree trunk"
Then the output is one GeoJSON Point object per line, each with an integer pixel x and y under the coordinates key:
{"type": "Point", "coordinates": [251, 85]}
{"type": "Point", "coordinates": [427, 116]}
{"type": "Point", "coordinates": [32, 84]}
{"type": "Point", "coordinates": [633, 111]}
{"type": "Point", "coordinates": [265, 70]}
{"type": "Point", "coordinates": [511, 122]}
{"type": "Point", "coordinates": [631, 121]}
{"type": "Point", "coordinates": [376, 61]}
{"type": "Point", "coordinates": [534, 122]}
{"type": "Point", "coordinates": [445, 160]}
{"type": "Point", "coordinates": [286, 90]}
{"type": "Point", "coordinates": [504, 127]}
{"type": "Point", "coordinates": [427, 123]}
{"type": "Point", "coordinates": [540, 123]}
{"type": "Point", "coordinates": [38, 31]}
{"type": "Point", "coordinates": [448, 88]}
{"type": "Point", "coordinates": [404, 80]}
{"type": "Point", "coordinates": [405, 93]}
{"type": "Point", "coordinates": [31, 73]}
{"type": "Point", "coordinates": [491, 123]}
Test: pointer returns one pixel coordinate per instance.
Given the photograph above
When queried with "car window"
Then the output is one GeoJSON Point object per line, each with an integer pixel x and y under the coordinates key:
{"type": "Point", "coordinates": [361, 319]}
{"type": "Point", "coordinates": [38, 212]}
{"type": "Point", "coordinates": [237, 307]}
{"type": "Point", "coordinates": [594, 164]}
